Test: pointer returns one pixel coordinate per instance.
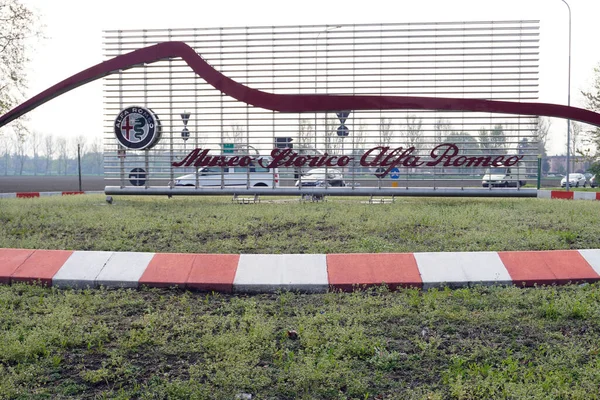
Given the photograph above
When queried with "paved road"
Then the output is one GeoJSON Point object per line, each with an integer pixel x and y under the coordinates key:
{"type": "Point", "coordinates": [41, 183]}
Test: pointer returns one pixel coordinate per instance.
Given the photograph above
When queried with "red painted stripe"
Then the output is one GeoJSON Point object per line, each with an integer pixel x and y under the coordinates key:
{"type": "Point", "coordinates": [166, 270]}
{"type": "Point", "coordinates": [348, 271]}
{"type": "Point", "coordinates": [557, 194]}
{"type": "Point", "coordinates": [41, 266]}
{"type": "Point", "coordinates": [555, 267]}
{"type": "Point", "coordinates": [213, 272]}
{"type": "Point", "coordinates": [292, 103]}
{"type": "Point", "coordinates": [597, 195]}
{"type": "Point", "coordinates": [28, 194]}
{"type": "Point", "coordinates": [10, 260]}
{"type": "Point", "coordinates": [70, 193]}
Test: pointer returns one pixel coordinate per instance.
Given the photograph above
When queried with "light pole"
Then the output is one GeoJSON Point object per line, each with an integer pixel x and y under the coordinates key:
{"type": "Point", "coordinates": [316, 74]}
{"type": "Point", "coordinates": [568, 102]}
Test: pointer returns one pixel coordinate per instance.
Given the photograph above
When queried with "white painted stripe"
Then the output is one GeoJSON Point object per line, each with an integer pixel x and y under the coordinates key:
{"type": "Point", "coordinates": [461, 269]}
{"type": "Point", "coordinates": [273, 272]}
{"type": "Point", "coordinates": [45, 194]}
{"type": "Point", "coordinates": [584, 195]}
{"type": "Point", "coordinates": [124, 269]}
{"type": "Point", "coordinates": [81, 269]}
{"type": "Point", "coordinates": [592, 256]}
{"type": "Point", "coordinates": [8, 195]}
{"type": "Point", "coordinates": [544, 194]}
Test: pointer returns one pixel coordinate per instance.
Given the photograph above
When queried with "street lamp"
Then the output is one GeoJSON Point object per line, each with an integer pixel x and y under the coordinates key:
{"type": "Point", "coordinates": [568, 102]}
{"type": "Point", "coordinates": [316, 74]}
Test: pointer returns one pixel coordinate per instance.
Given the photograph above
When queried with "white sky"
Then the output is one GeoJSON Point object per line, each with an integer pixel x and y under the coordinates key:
{"type": "Point", "coordinates": [73, 30]}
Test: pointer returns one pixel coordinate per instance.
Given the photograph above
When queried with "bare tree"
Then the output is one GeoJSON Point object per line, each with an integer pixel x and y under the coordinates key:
{"type": "Point", "coordinates": [63, 155]}
{"type": "Point", "coordinates": [95, 154]}
{"type": "Point", "coordinates": [49, 149]}
{"type": "Point", "coordinates": [385, 131]}
{"type": "Point", "coordinates": [18, 24]}
{"type": "Point", "coordinates": [412, 132]}
{"type": "Point", "coordinates": [541, 134]}
{"type": "Point", "coordinates": [5, 147]}
{"type": "Point", "coordinates": [334, 144]}
{"type": "Point", "coordinates": [19, 146]}
{"type": "Point", "coordinates": [305, 135]}
{"type": "Point", "coordinates": [358, 136]}
{"type": "Point", "coordinates": [35, 141]}
{"type": "Point", "coordinates": [576, 147]}
{"type": "Point", "coordinates": [443, 129]}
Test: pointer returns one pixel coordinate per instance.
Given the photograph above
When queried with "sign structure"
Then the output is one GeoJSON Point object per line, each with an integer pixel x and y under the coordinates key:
{"type": "Point", "coordinates": [496, 60]}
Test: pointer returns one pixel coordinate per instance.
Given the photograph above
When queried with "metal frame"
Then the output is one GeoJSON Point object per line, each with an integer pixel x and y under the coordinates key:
{"type": "Point", "coordinates": [495, 60]}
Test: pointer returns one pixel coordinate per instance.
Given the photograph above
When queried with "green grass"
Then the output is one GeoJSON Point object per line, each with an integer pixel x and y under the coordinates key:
{"type": "Point", "coordinates": [339, 225]}
{"type": "Point", "coordinates": [477, 343]}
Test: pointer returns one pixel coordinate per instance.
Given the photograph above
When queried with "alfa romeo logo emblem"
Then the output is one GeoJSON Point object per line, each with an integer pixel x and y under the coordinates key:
{"type": "Point", "coordinates": [137, 128]}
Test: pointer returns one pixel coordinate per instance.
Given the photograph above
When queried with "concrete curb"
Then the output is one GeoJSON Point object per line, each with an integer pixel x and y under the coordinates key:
{"type": "Point", "coordinates": [564, 195]}
{"type": "Point", "coordinates": [312, 273]}
{"type": "Point", "coordinates": [29, 195]}
{"type": "Point", "coordinates": [541, 194]}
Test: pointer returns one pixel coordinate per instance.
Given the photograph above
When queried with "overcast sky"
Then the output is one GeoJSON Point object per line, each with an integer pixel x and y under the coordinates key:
{"type": "Point", "coordinates": [73, 42]}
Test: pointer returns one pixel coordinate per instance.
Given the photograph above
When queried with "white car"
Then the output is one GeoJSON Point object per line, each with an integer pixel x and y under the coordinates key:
{"type": "Point", "coordinates": [322, 177]}
{"type": "Point", "coordinates": [575, 180]}
{"type": "Point", "coordinates": [253, 176]}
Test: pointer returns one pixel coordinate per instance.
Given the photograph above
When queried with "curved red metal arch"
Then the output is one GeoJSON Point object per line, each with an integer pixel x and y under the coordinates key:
{"type": "Point", "coordinates": [292, 102]}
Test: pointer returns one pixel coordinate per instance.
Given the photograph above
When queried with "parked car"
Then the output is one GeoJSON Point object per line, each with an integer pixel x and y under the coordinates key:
{"type": "Point", "coordinates": [252, 176]}
{"type": "Point", "coordinates": [322, 177]}
{"type": "Point", "coordinates": [593, 182]}
{"type": "Point", "coordinates": [504, 177]}
{"type": "Point", "coordinates": [575, 180]}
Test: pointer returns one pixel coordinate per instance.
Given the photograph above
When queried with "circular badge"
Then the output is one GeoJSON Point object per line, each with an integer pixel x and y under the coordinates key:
{"type": "Point", "coordinates": [137, 128]}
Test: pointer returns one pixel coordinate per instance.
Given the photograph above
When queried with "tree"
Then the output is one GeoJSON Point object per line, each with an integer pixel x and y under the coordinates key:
{"type": "Point", "coordinates": [5, 147]}
{"type": "Point", "coordinates": [19, 133]}
{"type": "Point", "coordinates": [49, 149]}
{"type": "Point", "coordinates": [63, 155]}
{"type": "Point", "coordinates": [541, 134]}
{"type": "Point", "coordinates": [17, 24]}
{"type": "Point", "coordinates": [412, 134]}
{"type": "Point", "coordinates": [385, 131]}
{"type": "Point", "coordinates": [305, 136]}
{"type": "Point", "coordinates": [492, 142]}
{"type": "Point", "coordinates": [334, 143]}
{"type": "Point", "coordinates": [94, 156]}
{"type": "Point", "coordinates": [592, 102]}
{"type": "Point", "coordinates": [35, 141]}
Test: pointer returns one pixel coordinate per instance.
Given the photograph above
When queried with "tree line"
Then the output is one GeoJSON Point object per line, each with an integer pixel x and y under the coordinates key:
{"type": "Point", "coordinates": [31, 153]}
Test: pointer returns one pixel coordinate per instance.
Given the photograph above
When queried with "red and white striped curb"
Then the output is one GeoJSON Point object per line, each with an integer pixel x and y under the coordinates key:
{"type": "Point", "coordinates": [28, 195]}
{"type": "Point", "coordinates": [541, 194]}
{"type": "Point", "coordinates": [316, 273]}
{"type": "Point", "coordinates": [564, 195]}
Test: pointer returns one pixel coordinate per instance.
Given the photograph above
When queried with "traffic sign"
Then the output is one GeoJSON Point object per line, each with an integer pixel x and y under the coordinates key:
{"type": "Point", "coordinates": [137, 177]}
{"type": "Point", "coordinates": [228, 148]}
{"type": "Point", "coordinates": [395, 173]}
{"type": "Point", "coordinates": [343, 131]}
{"type": "Point", "coordinates": [342, 116]}
{"type": "Point", "coordinates": [185, 134]}
{"type": "Point", "coordinates": [185, 116]}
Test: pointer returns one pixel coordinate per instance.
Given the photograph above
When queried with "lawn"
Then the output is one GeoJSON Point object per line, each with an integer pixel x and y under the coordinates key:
{"type": "Point", "coordinates": [338, 225]}
{"type": "Point", "coordinates": [474, 343]}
